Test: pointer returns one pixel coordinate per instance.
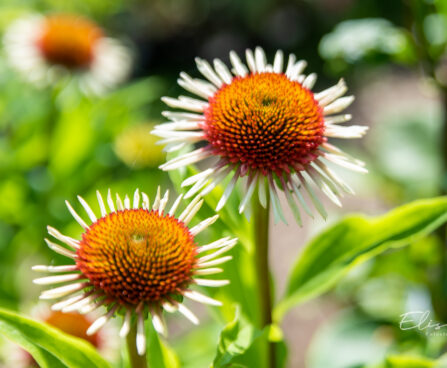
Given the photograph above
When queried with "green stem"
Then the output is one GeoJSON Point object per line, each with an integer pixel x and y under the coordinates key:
{"type": "Point", "coordinates": [136, 360]}
{"type": "Point", "coordinates": [261, 237]}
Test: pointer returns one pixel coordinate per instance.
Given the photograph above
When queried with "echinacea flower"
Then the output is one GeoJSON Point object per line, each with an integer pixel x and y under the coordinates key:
{"type": "Point", "coordinates": [263, 124]}
{"type": "Point", "coordinates": [43, 48]}
{"type": "Point", "coordinates": [135, 260]}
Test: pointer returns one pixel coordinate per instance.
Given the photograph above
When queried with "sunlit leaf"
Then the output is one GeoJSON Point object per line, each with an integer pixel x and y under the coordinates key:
{"type": "Point", "coordinates": [354, 240]}
{"type": "Point", "coordinates": [48, 345]}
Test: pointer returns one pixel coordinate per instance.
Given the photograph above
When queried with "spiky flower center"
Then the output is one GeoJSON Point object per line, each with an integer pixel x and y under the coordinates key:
{"type": "Point", "coordinates": [69, 41]}
{"type": "Point", "coordinates": [266, 121]}
{"type": "Point", "coordinates": [137, 256]}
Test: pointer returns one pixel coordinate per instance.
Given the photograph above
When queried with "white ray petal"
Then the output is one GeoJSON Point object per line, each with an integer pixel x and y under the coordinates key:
{"type": "Point", "coordinates": [67, 268]}
{"type": "Point", "coordinates": [58, 279]}
{"type": "Point", "coordinates": [157, 200]}
{"type": "Point", "coordinates": [250, 60]}
{"type": "Point", "coordinates": [186, 104]}
{"type": "Point", "coordinates": [119, 203]}
{"type": "Point", "coordinates": [175, 205]}
{"type": "Point", "coordinates": [203, 225]}
{"type": "Point", "coordinates": [291, 201]}
{"type": "Point", "coordinates": [298, 69]}
{"type": "Point", "coordinates": [214, 245]}
{"type": "Point", "coordinates": [136, 199]}
{"type": "Point", "coordinates": [324, 187]}
{"type": "Point", "coordinates": [262, 194]}
{"type": "Point", "coordinates": [158, 321]}
{"type": "Point", "coordinates": [92, 306]}
{"type": "Point", "coordinates": [208, 271]}
{"type": "Point", "coordinates": [334, 177]}
{"type": "Point", "coordinates": [88, 298]}
{"type": "Point", "coordinates": [336, 119]}
{"type": "Point", "coordinates": [220, 175]}
{"type": "Point", "coordinates": [260, 59]}
{"type": "Point", "coordinates": [251, 185]}
{"type": "Point", "coordinates": [78, 218]}
{"type": "Point", "coordinates": [228, 190]}
{"type": "Point", "coordinates": [110, 201]}
{"type": "Point", "coordinates": [310, 80]}
{"type": "Point", "coordinates": [178, 125]}
{"type": "Point", "coordinates": [88, 209]}
{"type": "Point", "coordinates": [199, 297]}
{"type": "Point", "coordinates": [102, 206]}
{"type": "Point", "coordinates": [186, 159]}
{"type": "Point", "coordinates": [239, 68]}
{"type": "Point", "coordinates": [180, 116]}
{"type": "Point", "coordinates": [146, 202]}
{"type": "Point", "coordinates": [192, 212]}
{"type": "Point", "coordinates": [192, 179]}
{"type": "Point", "coordinates": [211, 283]}
{"type": "Point", "coordinates": [101, 321]}
{"type": "Point", "coordinates": [352, 131]}
{"type": "Point", "coordinates": [278, 62]}
{"type": "Point", "coordinates": [318, 205]}
{"type": "Point", "coordinates": [290, 66]}
{"type": "Point", "coordinates": [188, 314]}
{"type": "Point", "coordinates": [141, 335]}
{"type": "Point", "coordinates": [189, 208]}
{"type": "Point", "coordinates": [349, 165]}
{"type": "Point", "coordinates": [215, 262]}
{"type": "Point", "coordinates": [217, 252]}
{"type": "Point", "coordinates": [170, 306]}
{"type": "Point", "coordinates": [173, 135]}
{"type": "Point", "coordinates": [127, 202]}
{"type": "Point", "coordinates": [338, 105]}
{"type": "Point", "coordinates": [196, 187]}
{"type": "Point", "coordinates": [341, 154]}
{"type": "Point", "coordinates": [59, 249]}
{"type": "Point", "coordinates": [173, 147]}
{"type": "Point", "coordinates": [207, 71]}
{"type": "Point", "coordinates": [62, 290]}
{"type": "Point", "coordinates": [222, 71]}
{"type": "Point", "coordinates": [277, 210]}
{"type": "Point", "coordinates": [192, 86]}
{"type": "Point", "coordinates": [125, 328]}
{"type": "Point", "coordinates": [63, 238]}
{"type": "Point", "coordinates": [163, 202]}
{"type": "Point", "coordinates": [332, 93]}
{"type": "Point", "coordinates": [300, 197]}
{"type": "Point", "coordinates": [65, 303]}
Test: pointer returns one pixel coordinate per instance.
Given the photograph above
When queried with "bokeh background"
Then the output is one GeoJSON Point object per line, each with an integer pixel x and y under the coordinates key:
{"type": "Point", "coordinates": [56, 142]}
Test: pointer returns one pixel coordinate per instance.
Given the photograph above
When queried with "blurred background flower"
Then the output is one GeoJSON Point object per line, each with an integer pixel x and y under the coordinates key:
{"type": "Point", "coordinates": [47, 48]}
{"type": "Point", "coordinates": [136, 147]}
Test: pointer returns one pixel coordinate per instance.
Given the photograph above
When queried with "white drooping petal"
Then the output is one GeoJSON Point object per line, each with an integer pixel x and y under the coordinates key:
{"type": "Point", "coordinates": [87, 208]}
{"type": "Point", "coordinates": [199, 297]}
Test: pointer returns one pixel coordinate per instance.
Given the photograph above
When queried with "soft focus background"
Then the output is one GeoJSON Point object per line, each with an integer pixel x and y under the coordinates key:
{"type": "Point", "coordinates": [56, 143]}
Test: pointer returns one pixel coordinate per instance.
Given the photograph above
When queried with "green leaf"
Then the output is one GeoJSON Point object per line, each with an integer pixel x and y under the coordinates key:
{"type": "Point", "coordinates": [243, 345]}
{"type": "Point", "coordinates": [49, 346]}
{"type": "Point", "coordinates": [159, 354]}
{"type": "Point", "coordinates": [354, 240]}
{"type": "Point", "coordinates": [235, 340]}
{"type": "Point", "coordinates": [402, 361]}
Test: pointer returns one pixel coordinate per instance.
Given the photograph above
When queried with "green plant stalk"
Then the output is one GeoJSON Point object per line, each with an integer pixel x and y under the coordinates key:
{"type": "Point", "coordinates": [261, 238]}
{"type": "Point", "coordinates": [135, 360]}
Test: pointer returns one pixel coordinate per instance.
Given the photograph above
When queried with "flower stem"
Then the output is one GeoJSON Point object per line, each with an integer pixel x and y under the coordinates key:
{"type": "Point", "coordinates": [136, 360]}
{"type": "Point", "coordinates": [261, 237]}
